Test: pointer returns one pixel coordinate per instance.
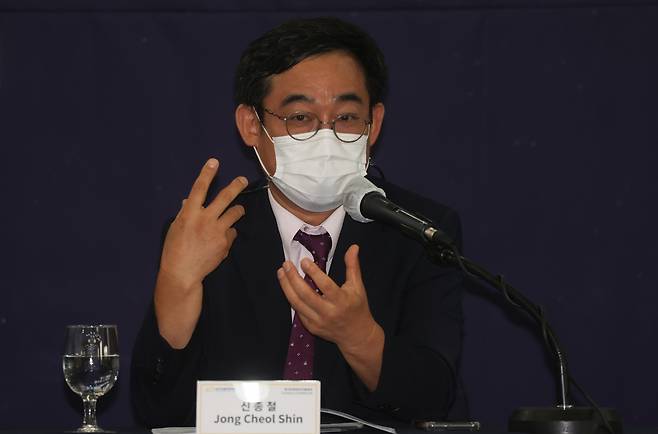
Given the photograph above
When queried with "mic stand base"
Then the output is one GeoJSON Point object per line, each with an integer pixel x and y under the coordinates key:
{"type": "Point", "coordinates": [555, 420]}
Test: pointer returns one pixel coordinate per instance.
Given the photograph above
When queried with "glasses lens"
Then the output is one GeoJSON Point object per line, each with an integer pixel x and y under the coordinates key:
{"type": "Point", "coordinates": [350, 127]}
{"type": "Point", "coordinates": [302, 125]}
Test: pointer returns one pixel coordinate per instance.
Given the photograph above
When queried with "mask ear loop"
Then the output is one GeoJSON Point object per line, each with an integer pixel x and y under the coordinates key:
{"type": "Point", "coordinates": [369, 158]}
{"type": "Point", "coordinates": [370, 163]}
{"type": "Point", "coordinates": [254, 147]}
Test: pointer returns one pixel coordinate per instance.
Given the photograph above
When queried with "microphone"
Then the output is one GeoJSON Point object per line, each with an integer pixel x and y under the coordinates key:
{"type": "Point", "coordinates": [365, 202]}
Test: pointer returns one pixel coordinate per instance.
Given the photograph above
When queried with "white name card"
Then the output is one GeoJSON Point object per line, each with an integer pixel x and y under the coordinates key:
{"type": "Point", "coordinates": [258, 407]}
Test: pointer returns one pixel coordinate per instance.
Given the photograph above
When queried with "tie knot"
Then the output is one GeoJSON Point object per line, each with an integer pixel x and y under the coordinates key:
{"type": "Point", "coordinates": [318, 245]}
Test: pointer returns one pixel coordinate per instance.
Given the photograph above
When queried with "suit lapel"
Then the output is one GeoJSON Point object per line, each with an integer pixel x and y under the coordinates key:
{"type": "Point", "coordinates": [258, 254]}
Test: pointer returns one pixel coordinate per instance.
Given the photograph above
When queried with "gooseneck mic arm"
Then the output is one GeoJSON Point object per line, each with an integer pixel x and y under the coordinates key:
{"type": "Point", "coordinates": [365, 202]}
{"type": "Point", "coordinates": [564, 417]}
{"type": "Point", "coordinates": [450, 256]}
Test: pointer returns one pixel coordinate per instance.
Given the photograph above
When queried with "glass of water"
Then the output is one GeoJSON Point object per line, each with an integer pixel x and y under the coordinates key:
{"type": "Point", "coordinates": [91, 366]}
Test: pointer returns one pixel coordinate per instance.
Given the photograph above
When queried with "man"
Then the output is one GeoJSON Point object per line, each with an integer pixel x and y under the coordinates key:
{"type": "Point", "coordinates": [278, 282]}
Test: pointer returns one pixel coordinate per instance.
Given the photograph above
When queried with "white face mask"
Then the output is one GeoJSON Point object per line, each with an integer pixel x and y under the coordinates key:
{"type": "Point", "coordinates": [313, 173]}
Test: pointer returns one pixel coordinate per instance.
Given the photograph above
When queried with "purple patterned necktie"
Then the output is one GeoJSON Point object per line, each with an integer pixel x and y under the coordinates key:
{"type": "Point", "coordinates": [299, 363]}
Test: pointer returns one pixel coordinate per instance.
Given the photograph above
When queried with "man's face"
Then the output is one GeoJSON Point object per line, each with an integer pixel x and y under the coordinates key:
{"type": "Point", "coordinates": [326, 85]}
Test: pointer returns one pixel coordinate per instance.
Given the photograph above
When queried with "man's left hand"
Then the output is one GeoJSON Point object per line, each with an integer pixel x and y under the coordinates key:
{"type": "Point", "coordinates": [340, 315]}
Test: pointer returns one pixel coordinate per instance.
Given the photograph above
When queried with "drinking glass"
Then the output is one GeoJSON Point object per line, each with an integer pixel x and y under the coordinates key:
{"type": "Point", "coordinates": [91, 366]}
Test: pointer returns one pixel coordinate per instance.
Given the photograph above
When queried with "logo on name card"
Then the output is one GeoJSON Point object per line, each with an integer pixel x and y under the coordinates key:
{"type": "Point", "coordinates": [258, 407]}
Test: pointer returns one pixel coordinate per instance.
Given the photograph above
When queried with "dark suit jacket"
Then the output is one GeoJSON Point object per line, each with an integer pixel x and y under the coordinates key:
{"type": "Point", "coordinates": [244, 327]}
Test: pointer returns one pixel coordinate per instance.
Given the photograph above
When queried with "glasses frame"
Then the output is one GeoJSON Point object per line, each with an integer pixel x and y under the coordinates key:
{"type": "Point", "coordinates": [366, 125]}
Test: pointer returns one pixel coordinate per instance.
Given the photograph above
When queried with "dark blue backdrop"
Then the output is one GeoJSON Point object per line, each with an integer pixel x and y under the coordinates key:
{"type": "Point", "coordinates": [537, 121]}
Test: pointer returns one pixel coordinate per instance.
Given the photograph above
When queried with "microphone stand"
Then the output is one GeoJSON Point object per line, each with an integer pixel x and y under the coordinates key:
{"type": "Point", "coordinates": [564, 418]}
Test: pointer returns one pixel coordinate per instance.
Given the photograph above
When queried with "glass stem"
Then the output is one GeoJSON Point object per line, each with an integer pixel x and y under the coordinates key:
{"type": "Point", "coordinates": [89, 418]}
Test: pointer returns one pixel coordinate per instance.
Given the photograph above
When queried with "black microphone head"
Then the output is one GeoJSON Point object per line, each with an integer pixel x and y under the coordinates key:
{"type": "Point", "coordinates": [355, 191]}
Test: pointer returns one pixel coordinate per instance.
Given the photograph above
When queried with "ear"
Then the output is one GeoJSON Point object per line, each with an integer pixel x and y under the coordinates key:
{"type": "Point", "coordinates": [248, 124]}
{"type": "Point", "coordinates": [376, 126]}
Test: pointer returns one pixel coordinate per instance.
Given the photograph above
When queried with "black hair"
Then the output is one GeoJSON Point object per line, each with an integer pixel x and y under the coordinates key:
{"type": "Point", "coordinates": [291, 42]}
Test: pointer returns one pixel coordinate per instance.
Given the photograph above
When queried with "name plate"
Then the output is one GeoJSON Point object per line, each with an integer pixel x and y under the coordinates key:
{"type": "Point", "coordinates": [258, 407]}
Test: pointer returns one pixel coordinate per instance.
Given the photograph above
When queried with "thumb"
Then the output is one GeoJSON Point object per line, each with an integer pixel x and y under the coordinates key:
{"type": "Point", "coordinates": [352, 266]}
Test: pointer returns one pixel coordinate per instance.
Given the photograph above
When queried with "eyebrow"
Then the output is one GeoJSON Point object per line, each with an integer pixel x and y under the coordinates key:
{"type": "Point", "coordinates": [296, 97]}
{"type": "Point", "coordinates": [350, 97]}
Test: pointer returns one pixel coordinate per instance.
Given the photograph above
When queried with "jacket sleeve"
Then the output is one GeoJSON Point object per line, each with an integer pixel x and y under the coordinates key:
{"type": "Point", "coordinates": [163, 379]}
{"type": "Point", "coordinates": [419, 377]}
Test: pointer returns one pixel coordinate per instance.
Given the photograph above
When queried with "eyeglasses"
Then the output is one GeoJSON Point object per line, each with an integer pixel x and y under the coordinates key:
{"type": "Point", "coordinates": [348, 127]}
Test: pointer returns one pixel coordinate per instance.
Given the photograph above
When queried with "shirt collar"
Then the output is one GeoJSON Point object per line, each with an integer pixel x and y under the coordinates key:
{"type": "Point", "coordinates": [289, 224]}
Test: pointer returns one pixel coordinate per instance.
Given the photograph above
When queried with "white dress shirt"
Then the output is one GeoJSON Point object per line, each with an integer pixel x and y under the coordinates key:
{"type": "Point", "coordinates": [289, 224]}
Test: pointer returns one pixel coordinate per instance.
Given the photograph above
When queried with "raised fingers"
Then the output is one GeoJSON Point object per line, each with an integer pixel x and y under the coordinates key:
{"type": "Point", "coordinates": [232, 215]}
{"type": "Point", "coordinates": [323, 282]}
{"type": "Point", "coordinates": [302, 288]}
{"type": "Point", "coordinates": [227, 195]}
{"type": "Point", "coordinates": [297, 291]}
{"type": "Point", "coordinates": [352, 265]}
{"type": "Point", "coordinates": [182, 207]}
{"type": "Point", "coordinates": [231, 235]}
{"type": "Point", "coordinates": [200, 187]}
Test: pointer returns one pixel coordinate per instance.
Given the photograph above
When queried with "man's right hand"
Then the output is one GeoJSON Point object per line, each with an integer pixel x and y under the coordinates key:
{"type": "Point", "coordinates": [198, 240]}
